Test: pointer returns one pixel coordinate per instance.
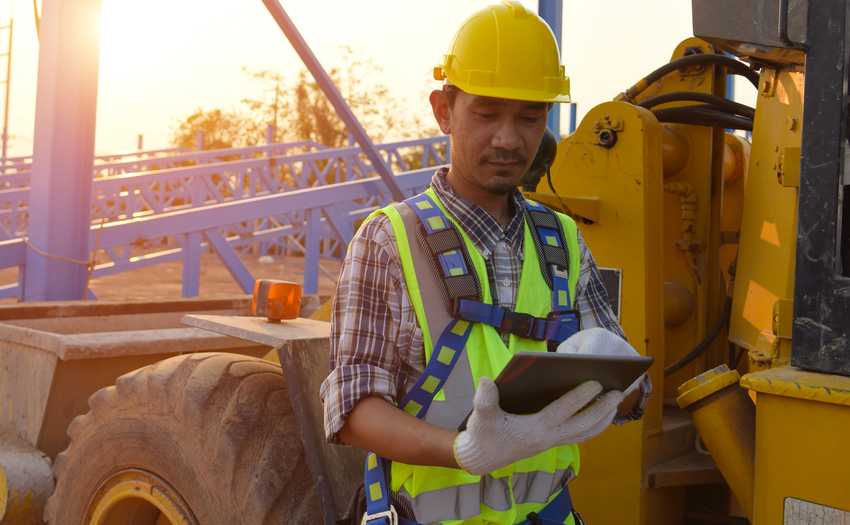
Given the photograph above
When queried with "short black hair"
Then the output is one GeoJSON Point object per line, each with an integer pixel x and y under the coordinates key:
{"type": "Point", "coordinates": [451, 94]}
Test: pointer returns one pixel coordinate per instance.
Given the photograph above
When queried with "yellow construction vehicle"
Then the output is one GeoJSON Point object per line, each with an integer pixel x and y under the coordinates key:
{"type": "Point", "coordinates": [722, 258]}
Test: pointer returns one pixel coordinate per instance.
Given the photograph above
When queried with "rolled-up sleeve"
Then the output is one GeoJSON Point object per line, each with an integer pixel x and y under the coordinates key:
{"type": "Point", "coordinates": [365, 327]}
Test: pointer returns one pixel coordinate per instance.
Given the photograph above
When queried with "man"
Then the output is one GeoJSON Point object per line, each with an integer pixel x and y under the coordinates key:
{"type": "Point", "coordinates": [412, 322]}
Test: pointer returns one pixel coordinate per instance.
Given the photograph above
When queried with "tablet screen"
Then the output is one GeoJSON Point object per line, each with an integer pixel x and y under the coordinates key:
{"type": "Point", "coordinates": [532, 380]}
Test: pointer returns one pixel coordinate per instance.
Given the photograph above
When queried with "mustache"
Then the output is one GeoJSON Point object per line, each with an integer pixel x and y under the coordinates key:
{"type": "Point", "coordinates": [501, 155]}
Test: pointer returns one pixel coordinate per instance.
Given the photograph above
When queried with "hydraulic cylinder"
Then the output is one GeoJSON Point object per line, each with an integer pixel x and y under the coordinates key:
{"type": "Point", "coordinates": [724, 416]}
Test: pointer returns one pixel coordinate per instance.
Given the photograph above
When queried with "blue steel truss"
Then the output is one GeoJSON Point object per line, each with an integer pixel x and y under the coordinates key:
{"type": "Point", "coordinates": [163, 206]}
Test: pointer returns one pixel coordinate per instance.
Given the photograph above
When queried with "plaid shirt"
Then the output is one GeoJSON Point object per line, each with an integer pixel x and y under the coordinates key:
{"type": "Point", "coordinates": [376, 345]}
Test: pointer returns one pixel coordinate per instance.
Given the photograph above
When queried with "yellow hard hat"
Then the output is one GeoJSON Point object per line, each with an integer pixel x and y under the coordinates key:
{"type": "Point", "coordinates": [504, 51]}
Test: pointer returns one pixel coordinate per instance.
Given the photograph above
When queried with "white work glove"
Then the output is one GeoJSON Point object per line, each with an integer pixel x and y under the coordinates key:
{"type": "Point", "coordinates": [599, 341]}
{"type": "Point", "coordinates": [494, 439]}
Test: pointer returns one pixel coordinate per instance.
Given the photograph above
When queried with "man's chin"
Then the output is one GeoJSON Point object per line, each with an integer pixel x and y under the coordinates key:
{"type": "Point", "coordinates": [501, 185]}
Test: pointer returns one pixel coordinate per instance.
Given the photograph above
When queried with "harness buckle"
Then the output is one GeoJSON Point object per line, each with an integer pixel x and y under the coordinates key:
{"type": "Point", "coordinates": [519, 324]}
{"type": "Point", "coordinates": [454, 308]}
{"type": "Point", "coordinates": [392, 514]}
{"type": "Point", "coordinates": [557, 313]}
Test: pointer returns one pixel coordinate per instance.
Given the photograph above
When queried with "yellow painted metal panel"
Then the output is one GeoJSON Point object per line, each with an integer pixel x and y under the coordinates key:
{"type": "Point", "coordinates": [769, 225]}
{"type": "Point", "coordinates": [801, 452]}
{"type": "Point", "coordinates": [793, 382]}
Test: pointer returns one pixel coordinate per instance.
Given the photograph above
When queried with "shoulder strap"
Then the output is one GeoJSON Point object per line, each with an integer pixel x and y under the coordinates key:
{"type": "Point", "coordinates": [447, 254]}
{"type": "Point", "coordinates": [549, 240]}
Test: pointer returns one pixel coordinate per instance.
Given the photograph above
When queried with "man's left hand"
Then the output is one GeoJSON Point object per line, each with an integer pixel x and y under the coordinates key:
{"type": "Point", "coordinates": [599, 341]}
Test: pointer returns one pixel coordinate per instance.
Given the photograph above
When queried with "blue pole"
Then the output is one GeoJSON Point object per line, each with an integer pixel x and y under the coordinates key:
{"type": "Point", "coordinates": [552, 12]}
{"type": "Point", "coordinates": [63, 151]}
{"type": "Point", "coordinates": [573, 115]}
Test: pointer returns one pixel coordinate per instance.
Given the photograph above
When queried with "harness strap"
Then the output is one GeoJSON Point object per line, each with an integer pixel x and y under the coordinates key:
{"type": "Point", "coordinates": [450, 264]}
{"type": "Point", "coordinates": [554, 513]}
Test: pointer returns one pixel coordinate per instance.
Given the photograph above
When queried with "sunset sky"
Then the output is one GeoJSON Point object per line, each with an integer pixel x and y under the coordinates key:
{"type": "Point", "coordinates": [162, 59]}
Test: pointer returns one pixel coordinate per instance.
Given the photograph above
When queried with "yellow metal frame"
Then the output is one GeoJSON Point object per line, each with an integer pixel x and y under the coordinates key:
{"type": "Point", "coordinates": [654, 204]}
{"type": "Point", "coordinates": [769, 224]}
{"type": "Point", "coordinates": [625, 182]}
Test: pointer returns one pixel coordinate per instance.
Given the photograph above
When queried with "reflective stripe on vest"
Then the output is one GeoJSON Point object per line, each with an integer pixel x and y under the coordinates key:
{"type": "Point", "coordinates": [449, 494]}
{"type": "Point", "coordinates": [465, 500]}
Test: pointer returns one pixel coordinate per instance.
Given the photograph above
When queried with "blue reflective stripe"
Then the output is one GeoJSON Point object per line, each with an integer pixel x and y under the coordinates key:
{"type": "Point", "coordinates": [452, 263]}
{"type": "Point", "coordinates": [432, 217]}
{"type": "Point", "coordinates": [550, 237]}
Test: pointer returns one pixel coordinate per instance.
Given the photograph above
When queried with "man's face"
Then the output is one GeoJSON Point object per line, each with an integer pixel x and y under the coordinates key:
{"type": "Point", "coordinates": [493, 140]}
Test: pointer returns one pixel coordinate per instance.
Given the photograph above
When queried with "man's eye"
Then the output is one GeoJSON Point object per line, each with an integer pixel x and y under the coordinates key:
{"type": "Point", "coordinates": [529, 118]}
{"type": "Point", "coordinates": [486, 115]}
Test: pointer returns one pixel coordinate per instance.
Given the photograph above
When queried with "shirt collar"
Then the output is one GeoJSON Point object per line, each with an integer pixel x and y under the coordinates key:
{"type": "Point", "coordinates": [483, 230]}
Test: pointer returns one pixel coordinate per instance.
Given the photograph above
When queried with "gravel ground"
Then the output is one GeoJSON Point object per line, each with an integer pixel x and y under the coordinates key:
{"type": "Point", "coordinates": [163, 281]}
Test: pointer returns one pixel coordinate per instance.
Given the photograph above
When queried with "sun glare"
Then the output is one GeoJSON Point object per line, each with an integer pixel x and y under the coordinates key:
{"type": "Point", "coordinates": [132, 34]}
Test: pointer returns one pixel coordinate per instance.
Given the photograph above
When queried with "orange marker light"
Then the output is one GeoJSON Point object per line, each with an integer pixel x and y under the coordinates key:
{"type": "Point", "coordinates": [276, 300]}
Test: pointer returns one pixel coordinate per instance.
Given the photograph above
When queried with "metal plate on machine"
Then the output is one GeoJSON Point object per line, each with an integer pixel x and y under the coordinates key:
{"type": "Point", "coordinates": [799, 512]}
{"type": "Point", "coordinates": [612, 278]}
{"type": "Point", "coordinates": [750, 27]}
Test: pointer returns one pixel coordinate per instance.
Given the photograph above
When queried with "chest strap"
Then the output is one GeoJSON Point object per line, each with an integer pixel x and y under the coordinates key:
{"type": "Point", "coordinates": [553, 328]}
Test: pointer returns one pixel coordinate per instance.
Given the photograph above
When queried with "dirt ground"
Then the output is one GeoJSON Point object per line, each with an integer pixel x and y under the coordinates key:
{"type": "Point", "coordinates": [163, 281]}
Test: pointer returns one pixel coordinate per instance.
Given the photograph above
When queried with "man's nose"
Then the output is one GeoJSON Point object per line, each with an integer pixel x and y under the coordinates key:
{"type": "Point", "coordinates": [507, 136]}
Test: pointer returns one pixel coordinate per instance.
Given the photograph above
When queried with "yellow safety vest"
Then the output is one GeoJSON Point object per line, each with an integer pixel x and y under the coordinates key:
{"type": "Point", "coordinates": [452, 496]}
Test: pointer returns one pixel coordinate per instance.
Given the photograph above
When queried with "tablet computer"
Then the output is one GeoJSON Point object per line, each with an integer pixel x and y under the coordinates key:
{"type": "Point", "coordinates": [532, 380]}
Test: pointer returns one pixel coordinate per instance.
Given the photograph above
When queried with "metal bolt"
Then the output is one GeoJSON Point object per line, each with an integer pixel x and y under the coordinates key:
{"type": "Point", "coordinates": [607, 138]}
{"type": "Point", "coordinates": [791, 122]}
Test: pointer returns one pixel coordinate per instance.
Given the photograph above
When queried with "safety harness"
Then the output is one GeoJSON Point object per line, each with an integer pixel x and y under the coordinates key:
{"type": "Point", "coordinates": [450, 263]}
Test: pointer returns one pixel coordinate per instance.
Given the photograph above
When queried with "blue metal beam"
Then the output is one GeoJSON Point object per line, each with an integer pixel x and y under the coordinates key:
{"type": "Point", "coordinates": [191, 264]}
{"type": "Point", "coordinates": [552, 12]}
{"type": "Point", "coordinates": [311, 251]}
{"type": "Point", "coordinates": [14, 253]}
{"type": "Point", "coordinates": [63, 149]}
{"type": "Point", "coordinates": [324, 81]}
{"type": "Point", "coordinates": [573, 116]}
{"type": "Point", "coordinates": [120, 233]}
{"type": "Point", "coordinates": [230, 259]}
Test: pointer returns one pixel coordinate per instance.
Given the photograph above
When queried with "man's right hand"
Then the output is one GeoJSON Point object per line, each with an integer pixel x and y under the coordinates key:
{"type": "Point", "coordinates": [494, 439]}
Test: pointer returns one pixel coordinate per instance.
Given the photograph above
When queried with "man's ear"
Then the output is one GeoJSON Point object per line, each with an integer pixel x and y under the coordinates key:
{"type": "Point", "coordinates": [442, 111]}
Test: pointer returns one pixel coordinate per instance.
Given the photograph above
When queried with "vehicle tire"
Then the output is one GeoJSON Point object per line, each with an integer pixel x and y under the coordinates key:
{"type": "Point", "coordinates": [202, 439]}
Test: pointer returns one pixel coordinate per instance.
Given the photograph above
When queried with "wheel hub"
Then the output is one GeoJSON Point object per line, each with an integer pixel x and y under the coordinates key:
{"type": "Point", "coordinates": [136, 497]}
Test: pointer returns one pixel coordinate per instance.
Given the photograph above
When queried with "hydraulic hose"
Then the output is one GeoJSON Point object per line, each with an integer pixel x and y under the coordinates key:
{"type": "Point", "coordinates": [722, 103]}
{"type": "Point", "coordinates": [722, 320]}
{"type": "Point", "coordinates": [703, 115]}
{"type": "Point", "coordinates": [735, 66]}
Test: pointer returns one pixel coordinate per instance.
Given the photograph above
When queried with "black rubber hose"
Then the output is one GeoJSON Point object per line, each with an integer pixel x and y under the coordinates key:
{"type": "Point", "coordinates": [703, 115]}
{"type": "Point", "coordinates": [737, 358]}
{"type": "Point", "coordinates": [722, 103]}
{"type": "Point", "coordinates": [735, 66]}
{"type": "Point", "coordinates": [722, 320]}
